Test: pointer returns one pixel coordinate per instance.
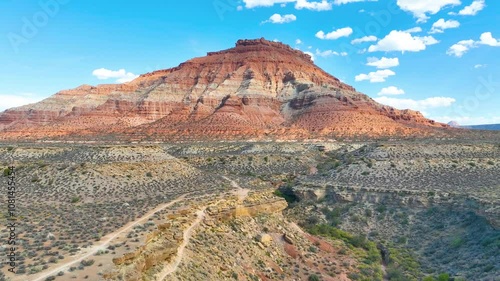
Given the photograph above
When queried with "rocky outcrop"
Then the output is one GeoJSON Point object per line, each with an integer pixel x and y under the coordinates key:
{"type": "Point", "coordinates": [257, 204]}
{"type": "Point", "coordinates": [410, 198]}
{"type": "Point", "coordinates": [258, 89]}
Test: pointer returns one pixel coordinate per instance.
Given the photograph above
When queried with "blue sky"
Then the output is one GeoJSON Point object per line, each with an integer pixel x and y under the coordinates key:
{"type": "Point", "coordinates": [441, 57]}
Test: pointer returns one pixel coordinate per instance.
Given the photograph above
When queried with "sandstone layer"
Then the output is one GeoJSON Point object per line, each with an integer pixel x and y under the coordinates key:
{"type": "Point", "coordinates": [257, 89]}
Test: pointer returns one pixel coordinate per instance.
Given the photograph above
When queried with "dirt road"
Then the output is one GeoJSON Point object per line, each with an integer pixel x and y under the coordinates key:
{"type": "Point", "coordinates": [102, 245]}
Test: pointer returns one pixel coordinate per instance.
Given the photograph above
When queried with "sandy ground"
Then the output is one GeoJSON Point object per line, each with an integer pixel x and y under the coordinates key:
{"type": "Point", "coordinates": [105, 241]}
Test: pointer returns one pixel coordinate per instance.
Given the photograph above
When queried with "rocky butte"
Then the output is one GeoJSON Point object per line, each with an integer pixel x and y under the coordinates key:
{"type": "Point", "coordinates": [258, 89]}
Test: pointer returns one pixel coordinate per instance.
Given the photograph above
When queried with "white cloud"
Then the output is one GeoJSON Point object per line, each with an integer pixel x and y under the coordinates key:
{"type": "Point", "coordinates": [375, 77]}
{"type": "Point", "coordinates": [391, 91]}
{"type": "Point", "coordinates": [315, 6]}
{"type": "Point", "coordinates": [10, 101]}
{"type": "Point", "coordinates": [364, 39]}
{"type": "Point", "coordinates": [460, 48]}
{"type": "Point", "coordinates": [487, 39]}
{"type": "Point", "coordinates": [342, 32]}
{"type": "Point", "coordinates": [311, 54]}
{"type": "Point", "coordinates": [419, 105]}
{"type": "Point", "coordinates": [480, 66]}
{"type": "Point", "coordinates": [249, 4]}
{"type": "Point", "coordinates": [420, 8]}
{"type": "Point", "coordinates": [326, 53]}
{"type": "Point", "coordinates": [415, 29]}
{"type": "Point", "coordinates": [298, 42]}
{"type": "Point", "coordinates": [340, 2]}
{"type": "Point", "coordinates": [239, 8]}
{"type": "Point", "coordinates": [440, 25]}
{"type": "Point", "coordinates": [121, 75]}
{"type": "Point", "coordinates": [472, 9]}
{"type": "Point", "coordinates": [383, 62]}
{"type": "Point", "coordinates": [402, 41]}
{"type": "Point", "coordinates": [324, 5]}
{"type": "Point", "coordinates": [279, 19]}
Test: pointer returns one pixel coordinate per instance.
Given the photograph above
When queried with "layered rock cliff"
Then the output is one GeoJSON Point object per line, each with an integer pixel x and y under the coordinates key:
{"type": "Point", "coordinates": [256, 89]}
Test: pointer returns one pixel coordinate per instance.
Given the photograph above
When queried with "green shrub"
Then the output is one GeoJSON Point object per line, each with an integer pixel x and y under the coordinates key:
{"type": "Point", "coordinates": [6, 172]}
{"type": "Point", "coordinates": [443, 277]}
{"type": "Point", "coordinates": [313, 277]}
{"type": "Point", "coordinates": [87, 262]}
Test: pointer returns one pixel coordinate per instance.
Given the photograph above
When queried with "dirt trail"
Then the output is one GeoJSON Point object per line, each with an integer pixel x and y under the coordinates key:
{"type": "Point", "coordinates": [172, 267]}
{"type": "Point", "coordinates": [242, 193]}
{"type": "Point", "coordinates": [102, 245]}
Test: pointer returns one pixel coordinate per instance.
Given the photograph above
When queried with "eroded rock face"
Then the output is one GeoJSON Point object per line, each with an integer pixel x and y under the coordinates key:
{"type": "Point", "coordinates": [257, 89]}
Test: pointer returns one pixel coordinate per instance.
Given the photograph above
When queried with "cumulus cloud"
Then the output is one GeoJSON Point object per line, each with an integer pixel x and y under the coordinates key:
{"type": "Point", "coordinates": [298, 42]}
{"type": "Point", "coordinates": [336, 34]}
{"type": "Point", "coordinates": [383, 62]}
{"type": "Point", "coordinates": [279, 19]}
{"type": "Point", "coordinates": [415, 29]}
{"type": "Point", "coordinates": [419, 105]}
{"type": "Point", "coordinates": [323, 5]}
{"type": "Point", "coordinates": [375, 77]}
{"type": "Point", "coordinates": [328, 53]}
{"type": "Point", "coordinates": [249, 4]}
{"type": "Point", "coordinates": [487, 39]}
{"type": "Point", "coordinates": [480, 66]}
{"type": "Point", "coordinates": [472, 9]}
{"type": "Point", "coordinates": [121, 75]}
{"type": "Point", "coordinates": [402, 41]}
{"type": "Point", "coordinates": [440, 25]}
{"type": "Point", "coordinates": [315, 6]}
{"type": "Point", "coordinates": [462, 47]}
{"type": "Point", "coordinates": [391, 91]}
{"type": "Point", "coordinates": [421, 8]}
{"type": "Point", "coordinates": [10, 101]}
{"type": "Point", "coordinates": [341, 2]}
{"type": "Point", "coordinates": [364, 39]}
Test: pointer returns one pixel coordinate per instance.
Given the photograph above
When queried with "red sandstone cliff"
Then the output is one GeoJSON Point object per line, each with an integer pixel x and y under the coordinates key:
{"type": "Point", "coordinates": [256, 89]}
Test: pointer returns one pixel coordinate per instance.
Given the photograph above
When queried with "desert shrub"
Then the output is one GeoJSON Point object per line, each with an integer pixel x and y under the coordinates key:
{"type": "Point", "coordinates": [313, 277]}
{"type": "Point", "coordinates": [443, 277]}
{"type": "Point", "coordinates": [6, 172]}
{"type": "Point", "coordinates": [395, 274]}
{"type": "Point", "coordinates": [87, 262]}
{"type": "Point", "coordinates": [75, 199]}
